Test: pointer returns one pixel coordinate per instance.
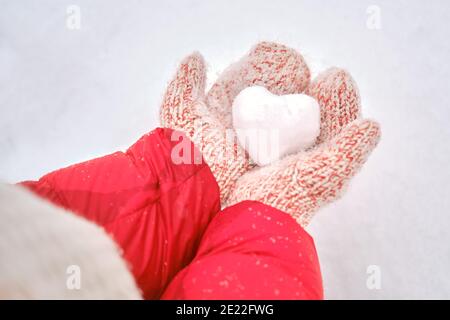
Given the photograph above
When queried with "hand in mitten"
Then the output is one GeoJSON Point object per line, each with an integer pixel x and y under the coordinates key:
{"type": "Point", "coordinates": [206, 118]}
{"type": "Point", "coordinates": [300, 184]}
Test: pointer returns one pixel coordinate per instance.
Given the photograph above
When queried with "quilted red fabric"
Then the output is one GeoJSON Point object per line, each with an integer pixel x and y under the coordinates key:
{"type": "Point", "coordinates": [251, 251]}
{"type": "Point", "coordinates": [157, 212]}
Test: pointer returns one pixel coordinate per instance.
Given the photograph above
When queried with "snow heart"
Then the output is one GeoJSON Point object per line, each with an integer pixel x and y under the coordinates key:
{"type": "Point", "coordinates": [270, 127]}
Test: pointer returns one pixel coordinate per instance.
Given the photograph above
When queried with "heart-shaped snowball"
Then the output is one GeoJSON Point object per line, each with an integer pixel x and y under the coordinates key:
{"type": "Point", "coordinates": [270, 127]}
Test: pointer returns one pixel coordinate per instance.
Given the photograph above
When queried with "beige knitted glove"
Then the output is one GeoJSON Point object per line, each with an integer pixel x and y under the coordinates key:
{"type": "Point", "coordinates": [206, 119]}
{"type": "Point", "coordinates": [298, 184]}
{"type": "Point", "coordinates": [301, 183]}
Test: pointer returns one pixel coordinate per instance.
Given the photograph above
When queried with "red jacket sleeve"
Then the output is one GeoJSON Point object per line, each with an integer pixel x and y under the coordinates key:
{"type": "Point", "coordinates": [251, 251]}
{"type": "Point", "coordinates": [156, 209]}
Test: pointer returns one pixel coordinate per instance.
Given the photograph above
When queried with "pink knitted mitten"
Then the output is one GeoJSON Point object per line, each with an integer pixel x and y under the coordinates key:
{"type": "Point", "coordinates": [298, 184]}
{"type": "Point", "coordinates": [301, 183]}
{"type": "Point", "coordinates": [206, 119]}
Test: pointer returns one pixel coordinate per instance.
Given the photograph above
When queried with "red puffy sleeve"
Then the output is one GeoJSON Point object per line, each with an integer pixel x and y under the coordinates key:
{"type": "Point", "coordinates": [251, 251]}
{"type": "Point", "coordinates": [155, 208]}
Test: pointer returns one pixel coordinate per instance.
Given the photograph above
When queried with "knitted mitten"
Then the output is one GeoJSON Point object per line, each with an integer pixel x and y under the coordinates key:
{"type": "Point", "coordinates": [280, 69]}
{"type": "Point", "coordinates": [301, 183]}
{"type": "Point", "coordinates": [206, 119]}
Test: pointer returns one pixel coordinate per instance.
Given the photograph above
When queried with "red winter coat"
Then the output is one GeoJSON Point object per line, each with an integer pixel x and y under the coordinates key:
{"type": "Point", "coordinates": [166, 219]}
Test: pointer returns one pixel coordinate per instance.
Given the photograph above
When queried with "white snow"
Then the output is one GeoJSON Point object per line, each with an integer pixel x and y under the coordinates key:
{"type": "Point", "coordinates": [270, 126]}
{"type": "Point", "coordinates": [69, 95]}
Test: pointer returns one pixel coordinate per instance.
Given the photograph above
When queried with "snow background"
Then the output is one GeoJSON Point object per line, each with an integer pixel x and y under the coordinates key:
{"type": "Point", "coordinates": [69, 95]}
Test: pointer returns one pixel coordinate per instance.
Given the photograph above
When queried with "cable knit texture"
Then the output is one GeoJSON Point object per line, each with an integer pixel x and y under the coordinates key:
{"type": "Point", "coordinates": [298, 184]}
